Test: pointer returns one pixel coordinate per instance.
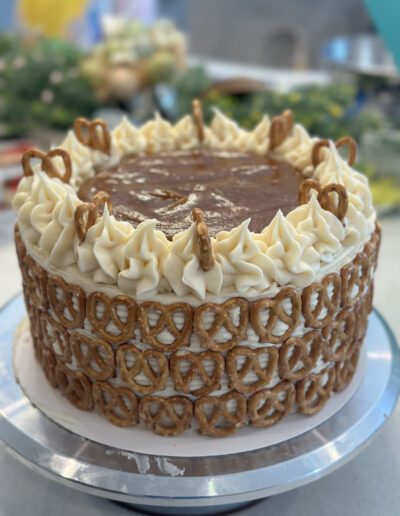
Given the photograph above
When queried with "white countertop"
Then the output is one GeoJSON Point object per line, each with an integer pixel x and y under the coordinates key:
{"type": "Point", "coordinates": [369, 485]}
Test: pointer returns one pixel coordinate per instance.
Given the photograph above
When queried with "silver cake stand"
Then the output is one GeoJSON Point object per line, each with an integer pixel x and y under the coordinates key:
{"type": "Point", "coordinates": [207, 483]}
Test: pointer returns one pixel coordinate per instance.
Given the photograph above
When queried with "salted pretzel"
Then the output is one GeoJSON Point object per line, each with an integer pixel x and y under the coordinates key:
{"type": "Point", "coordinates": [324, 196]}
{"type": "Point", "coordinates": [238, 376]}
{"type": "Point", "coordinates": [345, 370]}
{"type": "Point", "coordinates": [299, 355]}
{"type": "Point", "coordinates": [339, 335]}
{"type": "Point", "coordinates": [47, 164]}
{"type": "Point", "coordinates": [281, 128]}
{"type": "Point", "coordinates": [205, 247]}
{"type": "Point", "coordinates": [267, 407]}
{"type": "Point", "coordinates": [93, 133]}
{"type": "Point", "coordinates": [55, 338]}
{"type": "Point", "coordinates": [75, 386]}
{"type": "Point", "coordinates": [118, 404]}
{"type": "Point", "coordinates": [95, 357]}
{"type": "Point", "coordinates": [222, 318]}
{"type": "Point", "coordinates": [327, 304]}
{"type": "Point", "coordinates": [313, 391]}
{"type": "Point", "coordinates": [86, 214]}
{"type": "Point", "coordinates": [276, 312]}
{"type": "Point", "coordinates": [67, 301]}
{"type": "Point", "coordinates": [166, 416]}
{"type": "Point", "coordinates": [222, 420]}
{"type": "Point", "coordinates": [197, 113]}
{"type": "Point", "coordinates": [346, 141]}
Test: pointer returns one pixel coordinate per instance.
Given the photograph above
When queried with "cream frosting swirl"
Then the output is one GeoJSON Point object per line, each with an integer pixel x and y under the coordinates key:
{"type": "Point", "coordinates": [185, 133]}
{"type": "Point", "coordinates": [158, 134]}
{"type": "Point", "coordinates": [81, 158]}
{"type": "Point", "coordinates": [127, 138]}
{"type": "Point", "coordinates": [224, 133]}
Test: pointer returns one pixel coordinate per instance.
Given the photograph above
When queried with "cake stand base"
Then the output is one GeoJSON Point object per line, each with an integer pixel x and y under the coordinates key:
{"type": "Point", "coordinates": [182, 485]}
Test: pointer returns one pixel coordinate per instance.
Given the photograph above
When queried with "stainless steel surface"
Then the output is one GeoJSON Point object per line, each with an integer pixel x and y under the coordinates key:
{"type": "Point", "coordinates": [85, 465]}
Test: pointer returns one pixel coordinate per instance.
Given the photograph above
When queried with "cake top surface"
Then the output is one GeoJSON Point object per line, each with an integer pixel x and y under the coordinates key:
{"type": "Point", "coordinates": [228, 186]}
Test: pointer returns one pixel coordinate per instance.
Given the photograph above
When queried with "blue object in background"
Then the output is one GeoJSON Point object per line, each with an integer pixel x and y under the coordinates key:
{"type": "Point", "coordinates": [386, 16]}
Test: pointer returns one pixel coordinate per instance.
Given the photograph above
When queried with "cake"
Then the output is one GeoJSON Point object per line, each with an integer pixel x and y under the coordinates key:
{"type": "Point", "coordinates": [182, 276]}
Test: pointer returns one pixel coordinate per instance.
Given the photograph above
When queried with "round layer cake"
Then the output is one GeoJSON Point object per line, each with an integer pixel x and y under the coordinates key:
{"type": "Point", "coordinates": [184, 275]}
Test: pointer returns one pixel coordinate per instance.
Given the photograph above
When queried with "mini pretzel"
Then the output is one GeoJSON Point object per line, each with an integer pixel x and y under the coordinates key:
{"type": "Point", "coordinates": [222, 420]}
{"type": "Point", "coordinates": [276, 312]}
{"type": "Point", "coordinates": [252, 364]}
{"type": "Point", "coordinates": [197, 113]}
{"type": "Point", "coordinates": [281, 128]}
{"type": "Point", "coordinates": [205, 247]}
{"type": "Point", "coordinates": [35, 280]}
{"type": "Point", "coordinates": [347, 141]}
{"type": "Point", "coordinates": [222, 318]}
{"type": "Point", "coordinates": [142, 365]}
{"type": "Point", "coordinates": [299, 355]}
{"type": "Point", "coordinates": [94, 356]}
{"type": "Point", "coordinates": [329, 303]}
{"type": "Point", "coordinates": [47, 164]}
{"type": "Point", "coordinates": [117, 404]}
{"type": "Point", "coordinates": [70, 307]}
{"type": "Point", "coordinates": [324, 196]}
{"type": "Point", "coordinates": [345, 370]}
{"type": "Point", "coordinates": [109, 325]}
{"type": "Point", "coordinates": [269, 406]}
{"type": "Point", "coordinates": [49, 363]}
{"type": "Point", "coordinates": [75, 386]}
{"type": "Point", "coordinates": [56, 338]}
{"type": "Point", "coordinates": [339, 336]}
{"type": "Point", "coordinates": [182, 381]}
{"type": "Point", "coordinates": [354, 278]}
{"type": "Point", "coordinates": [86, 214]}
{"type": "Point", "coordinates": [314, 391]}
{"type": "Point", "coordinates": [94, 134]}
{"type": "Point", "coordinates": [166, 416]}
{"type": "Point", "coordinates": [165, 322]}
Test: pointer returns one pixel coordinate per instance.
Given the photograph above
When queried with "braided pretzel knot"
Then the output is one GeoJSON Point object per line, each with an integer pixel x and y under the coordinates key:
{"type": "Point", "coordinates": [94, 134]}
{"type": "Point", "coordinates": [67, 301]}
{"type": "Point", "coordinates": [324, 196]}
{"type": "Point", "coordinates": [197, 368]}
{"type": "Point", "coordinates": [281, 128]}
{"type": "Point", "coordinates": [222, 318]}
{"type": "Point", "coordinates": [150, 363]}
{"type": "Point", "coordinates": [216, 417]}
{"type": "Point", "coordinates": [49, 363]}
{"type": "Point", "coordinates": [298, 356]}
{"type": "Point", "coordinates": [269, 406]}
{"type": "Point", "coordinates": [56, 338]}
{"type": "Point", "coordinates": [166, 416]}
{"type": "Point", "coordinates": [314, 391]}
{"type": "Point", "coordinates": [150, 333]}
{"type": "Point", "coordinates": [197, 113]}
{"type": "Point", "coordinates": [35, 280]}
{"type": "Point", "coordinates": [75, 386]}
{"type": "Point", "coordinates": [102, 312]}
{"type": "Point", "coordinates": [327, 304]}
{"type": "Point", "coordinates": [276, 313]}
{"type": "Point", "coordinates": [94, 356]}
{"type": "Point", "coordinates": [118, 404]}
{"type": "Point", "coordinates": [339, 336]}
{"type": "Point", "coordinates": [47, 164]}
{"type": "Point", "coordinates": [206, 257]}
{"type": "Point", "coordinates": [346, 141]}
{"type": "Point", "coordinates": [252, 365]}
{"type": "Point", "coordinates": [345, 370]}
{"type": "Point", "coordinates": [86, 214]}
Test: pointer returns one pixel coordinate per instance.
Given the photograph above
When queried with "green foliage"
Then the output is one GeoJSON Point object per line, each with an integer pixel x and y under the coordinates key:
{"type": "Point", "coordinates": [41, 85]}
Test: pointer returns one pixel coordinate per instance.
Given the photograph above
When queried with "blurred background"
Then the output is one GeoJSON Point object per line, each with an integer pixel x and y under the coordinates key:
{"type": "Point", "coordinates": [332, 63]}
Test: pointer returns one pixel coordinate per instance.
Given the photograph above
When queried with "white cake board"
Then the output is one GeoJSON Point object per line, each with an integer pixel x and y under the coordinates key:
{"type": "Point", "coordinates": [138, 439]}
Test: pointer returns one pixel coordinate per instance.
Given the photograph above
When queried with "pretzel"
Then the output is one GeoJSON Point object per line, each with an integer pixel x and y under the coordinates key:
{"type": "Point", "coordinates": [61, 299]}
{"type": "Point", "coordinates": [339, 336]}
{"type": "Point", "coordinates": [109, 325]}
{"type": "Point", "coordinates": [94, 134]}
{"type": "Point", "coordinates": [75, 386]}
{"type": "Point", "coordinates": [165, 322]}
{"type": "Point", "coordinates": [338, 209]}
{"type": "Point", "coordinates": [49, 363]}
{"type": "Point", "coordinates": [222, 420]}
{"type": "Point", "coordinates": [252, 364]}
{"type": "Point", "coordinates": [166, 416]}
{"type": "Point", "coordinates": [206, 257]}
{"type": "Point", "coordinates": [19, 246]}
{"type": "Point", "coordinates": [281, 128]}
{"type": "Point", "coordinates": [354, 276]}
{"type": "Point", "coordinates": [36, 330]}
{"type": "Point", "coordinates": [267, 407]}
{"type": "Point", "coordinates": [345, 370]}
{"type": "Point", "coordinates": [345, 141]}
{"type": "Point", "coordinates": [325, 301]}
{"type": "Point", "coordinates": [222, 318]}
{"type": "Point", "coordinates": [299, 351]}
{"type": "Point", "coordinates": [313, 391]}
{"type": "Point", "coordinates": [94, 356]}
{"type": "Point", "coordinates": [142, 365]}
{"type": "Point", "coordinates": [118, 404]}
{"type": "Point", "coordinates": [47, 163]}
{"type": "Point", "coordinates": [276, 312]}
{"type": "Point", "coordinates": [35, 280]}
{"type": "Point", "coordinates": [197, 369]}
{"type": "Point", "coordinates": [197, 114]}
{"type": "Point", "coordinates": [56, 338]}
{"type": "Point", "coordinates": [86, 214]}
